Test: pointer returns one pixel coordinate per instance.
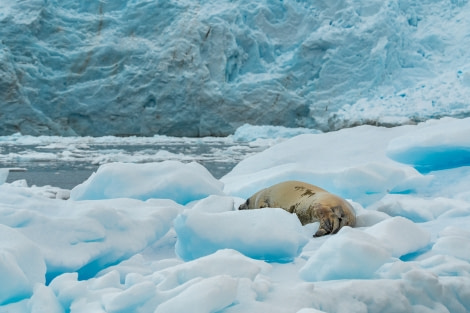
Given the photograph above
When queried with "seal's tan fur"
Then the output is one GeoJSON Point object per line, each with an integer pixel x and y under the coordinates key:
{"type": "Point", "coordinates": [309, 202]}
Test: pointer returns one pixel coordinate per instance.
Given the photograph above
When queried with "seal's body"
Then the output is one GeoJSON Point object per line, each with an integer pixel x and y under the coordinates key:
{"type": "Point", "coordinates": [309, 202]}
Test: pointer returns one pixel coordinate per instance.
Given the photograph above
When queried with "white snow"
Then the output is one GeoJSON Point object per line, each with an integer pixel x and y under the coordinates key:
{"type": "Point", "coordinates": [349, 162]}
{"type": "Point", "coordinates": [21, 265]}
{"type": "Point", "coordinates": [400, 236]}
{"type": "Point", "coordinates": [174, 180]}
{"type": "Point", "coordinates": [272, 235]}
{"type": "Point", "coordinates": [166, 236]}
{"type": "Point", "coordinates": [352, 254]}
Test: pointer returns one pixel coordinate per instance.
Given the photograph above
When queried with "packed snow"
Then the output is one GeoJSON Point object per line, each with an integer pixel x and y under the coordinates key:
{"type": "Point", "coordinates": [167, 237]}
{"type": "Point", "coordinates": [279, 235]}
{"type": "Point", "coordinates": [204, 68]}
{"type": "Point", "coordinates": [168, 180]}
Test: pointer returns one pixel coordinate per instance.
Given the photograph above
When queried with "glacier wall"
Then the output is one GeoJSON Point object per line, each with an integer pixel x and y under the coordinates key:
{"type": "Point", "coordinates": [200, 68]}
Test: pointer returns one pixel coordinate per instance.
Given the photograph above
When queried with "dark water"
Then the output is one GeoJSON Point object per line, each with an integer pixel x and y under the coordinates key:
{"type": "Point", "coordinates": [68, 176]}
{"type": "Point", "coordinates": [64, 177]}
{"type": "Point", "coordinates": [67, 165]}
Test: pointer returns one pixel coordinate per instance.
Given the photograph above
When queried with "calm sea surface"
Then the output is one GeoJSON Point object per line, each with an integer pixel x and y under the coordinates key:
{"type": "Point", "coordinates": [67, 164]}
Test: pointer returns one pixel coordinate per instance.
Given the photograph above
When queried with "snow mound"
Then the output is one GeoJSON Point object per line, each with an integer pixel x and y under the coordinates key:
{"type": "Point", "coordinates": [350, 254]}
{"type": "Point", "coordinates": [165, 180]}
{"type": "Point", "coordinates": [22, 266]}
{"type": "Point", "coordinates": [400, 236]}
{"type": "Point", "coordinates": [428, 148]}
{"type": "Point", "coordinates": [350, 163]}
{"type": "Point", "coordinates": [273, 235]}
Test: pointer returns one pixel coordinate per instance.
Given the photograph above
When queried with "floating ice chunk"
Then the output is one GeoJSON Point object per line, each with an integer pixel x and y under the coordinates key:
{"type": "Point", "coordinates": [269, 234]}
{"type": "Point", "coordinates": [350, 254]}
{"type": "Point", "coordinates": [248, 132]}
{"type": "Point", "coordinates": [21, 265]}
{"type": "Point", "coordinates": [209, 295]}
{"type": "Point", "coordinates": [400, 235]}
{"type": "Point", "coordinates": [165, 180]}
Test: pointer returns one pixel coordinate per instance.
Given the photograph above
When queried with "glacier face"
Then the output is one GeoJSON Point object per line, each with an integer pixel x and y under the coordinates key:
{"type": "Point", "coordinates": [200, 68]}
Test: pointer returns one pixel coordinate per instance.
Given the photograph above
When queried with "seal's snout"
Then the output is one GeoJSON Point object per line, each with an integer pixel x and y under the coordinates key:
{"type": "Point", "coordinates": [244, 206]}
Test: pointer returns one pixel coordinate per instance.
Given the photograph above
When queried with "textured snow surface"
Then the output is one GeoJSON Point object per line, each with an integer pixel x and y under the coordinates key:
{"type": "Point", "coordinates": [177, 250]}
{"type": "Point", "coordinates": [198, 68]}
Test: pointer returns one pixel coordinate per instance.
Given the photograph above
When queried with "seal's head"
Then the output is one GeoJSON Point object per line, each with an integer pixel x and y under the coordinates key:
{"type": "Point", "coordinates": [245, 205]}
{"type": "Point", "coordinates": [331, 219]}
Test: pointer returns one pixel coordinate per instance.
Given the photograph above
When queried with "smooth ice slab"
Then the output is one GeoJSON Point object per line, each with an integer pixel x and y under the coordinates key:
{"type": "Point", "coordinates": [350, 254]}
{"type": "Point", "coordinates": [273, 235]}
{"type": "Point", "coordinates": [165, 180]}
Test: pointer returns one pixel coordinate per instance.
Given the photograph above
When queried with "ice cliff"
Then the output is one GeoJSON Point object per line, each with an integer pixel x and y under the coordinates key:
{"type": "Point", "coordinates": [198, 68]}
